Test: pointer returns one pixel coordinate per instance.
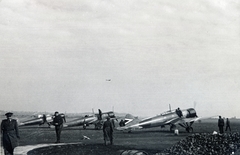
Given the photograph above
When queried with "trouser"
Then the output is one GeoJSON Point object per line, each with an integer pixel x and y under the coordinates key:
{"type": "Point", "coordinates": [108, 135]}
{"type": "Point", "coordinates": [58, 130]}
{"type": "Point", "coordinates": [8, 152]}
{"type": "Point", "coordinates": [228, 127]}
{"type": "Point", "coordinates": [221, 129]}
{"type": "Point", "coordinates": [7, 144]}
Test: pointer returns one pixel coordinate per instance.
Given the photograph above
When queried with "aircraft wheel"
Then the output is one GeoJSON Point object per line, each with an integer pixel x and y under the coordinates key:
{"type": "Point", "coordinates": [189, 129]}
{"type": "Point", "coordinates": [84, 126]}
{"type": "Point", "coordinates": [98, 126]}
{"type": "Point", "coordinates": [172, 128]}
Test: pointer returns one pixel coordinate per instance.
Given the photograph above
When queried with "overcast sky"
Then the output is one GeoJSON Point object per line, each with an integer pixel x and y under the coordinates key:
{"type": "Point", "coordinates": [60, 55]}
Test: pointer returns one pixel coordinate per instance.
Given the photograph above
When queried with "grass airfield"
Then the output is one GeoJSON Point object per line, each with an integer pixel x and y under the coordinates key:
{"type": "Point", "coordinates": [152, 141]}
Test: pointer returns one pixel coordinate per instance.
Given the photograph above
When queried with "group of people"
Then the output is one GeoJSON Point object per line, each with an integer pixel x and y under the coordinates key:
{"type": "Point", "coordinates": [10, 132]}
{"type": "Point", "coordinates": [221, 125]}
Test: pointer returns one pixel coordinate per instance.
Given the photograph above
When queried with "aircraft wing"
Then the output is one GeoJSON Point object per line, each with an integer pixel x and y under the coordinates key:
{"type": "Point", "coordinates": [173, 120]}
{"type": "Point", "coordinates": [92, 122]}
{"type": "Point", "coordinates": [188, 120]}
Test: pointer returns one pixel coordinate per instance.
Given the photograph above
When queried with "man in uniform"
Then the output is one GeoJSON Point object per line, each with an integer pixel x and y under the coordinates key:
{"type": "Point", "coordinates": [228, 125]}
{"type": "Point", "coordinates": [220, 124]}
{"type": "Point", "coordinates": [108, 131]}
{"type": "Point", "coordinates": [10, 134]}
{"type": "Point", "coordinates": [58, 123]}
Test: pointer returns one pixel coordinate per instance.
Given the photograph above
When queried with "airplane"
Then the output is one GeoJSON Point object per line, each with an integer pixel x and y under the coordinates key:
{"type": "Point", "coordinates": [96, 119]}
{"type": "Point", "coordinates": [40, 120]}
{"type": "Point", "coordinates": [185, 118]}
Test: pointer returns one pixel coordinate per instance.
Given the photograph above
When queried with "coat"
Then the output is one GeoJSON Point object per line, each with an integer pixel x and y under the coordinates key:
{"type": "Point", "coordinates": [107, 130]}
{"type": "Point", "coordinates": [220, 122]}
{"type": "Point", "coordinates": [10, 133]}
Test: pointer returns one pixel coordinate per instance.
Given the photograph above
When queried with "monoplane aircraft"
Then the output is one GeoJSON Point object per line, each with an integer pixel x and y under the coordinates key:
{"type": "Point", "coordinates": [96, 119]}
{"type": "Point", "coordinates": [40, 120]}
{"type": "Point", "coordinates": [185, 118]}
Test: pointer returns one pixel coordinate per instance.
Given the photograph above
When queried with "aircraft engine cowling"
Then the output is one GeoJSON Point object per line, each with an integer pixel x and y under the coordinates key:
{"type": "Point", "coordinates": [191, 113]}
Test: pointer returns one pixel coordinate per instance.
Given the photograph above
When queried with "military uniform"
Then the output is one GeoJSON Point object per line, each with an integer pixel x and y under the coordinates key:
{"type": "Point", "coordinates": [228, 125]}
{"type": "Point", "coordinates": [10, 135]}
{"type": "Point", "coordinates": [220, 124]}
{"type": "Point", "coordinates": [58, 122]}
{"type": "Point", "coordinates": [108, 131]}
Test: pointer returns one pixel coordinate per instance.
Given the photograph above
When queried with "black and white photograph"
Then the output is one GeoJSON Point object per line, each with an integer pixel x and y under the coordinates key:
{"type": "Point", "coordinates": [120, 77]}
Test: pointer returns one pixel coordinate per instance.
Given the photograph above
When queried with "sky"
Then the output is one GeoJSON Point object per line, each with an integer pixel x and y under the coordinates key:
{"type": "Point", "coordinates": [131, 56]}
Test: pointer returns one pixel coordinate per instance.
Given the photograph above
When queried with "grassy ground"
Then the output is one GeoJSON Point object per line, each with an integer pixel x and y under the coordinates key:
{"type": "Point", "coordinates": [149, 140]}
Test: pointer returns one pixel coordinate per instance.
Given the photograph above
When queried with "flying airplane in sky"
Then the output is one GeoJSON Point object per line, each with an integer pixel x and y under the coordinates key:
{"type": "Point", "coordinates": [96, 119]}
{"type": "Point", "coordinates": [185, 118]}
{"type": "Point", "coordinates": [40, 120]}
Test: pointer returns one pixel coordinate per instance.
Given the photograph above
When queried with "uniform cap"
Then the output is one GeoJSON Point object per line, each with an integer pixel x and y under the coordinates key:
{"type": "Point", "coordinates": [9, 114]}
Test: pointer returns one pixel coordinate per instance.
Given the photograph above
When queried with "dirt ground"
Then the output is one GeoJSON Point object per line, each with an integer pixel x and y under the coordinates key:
{"type": "Point", "coordinates": [152, 141]}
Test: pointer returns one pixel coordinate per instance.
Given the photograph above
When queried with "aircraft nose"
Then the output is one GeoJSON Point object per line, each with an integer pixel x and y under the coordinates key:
{"type": "Point", "coordinates": [192, 113]}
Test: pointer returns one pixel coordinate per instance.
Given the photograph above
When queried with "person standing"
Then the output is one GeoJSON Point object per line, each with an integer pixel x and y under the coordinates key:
{"type": "Point", "coordinates": [228, 125]}
{"type": "Point", "coordinates": [108, 131]}
{"type": "Point", "coordinates": [58, 123]}
{"type": "Point", "coordinates": [121, 124]}
{"type": "Point", "coordinates": [179, 112]}
{"type": "Point", "coordinates": [10, 134]}
{"type": "Point", "coordinates": [220, 124]}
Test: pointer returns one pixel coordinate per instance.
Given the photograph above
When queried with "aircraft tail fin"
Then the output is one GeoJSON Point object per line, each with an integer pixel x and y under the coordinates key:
{"type": "Point", "coordinates": [130, 122]}
{"type": "Point", "coordinates": [129, 116]}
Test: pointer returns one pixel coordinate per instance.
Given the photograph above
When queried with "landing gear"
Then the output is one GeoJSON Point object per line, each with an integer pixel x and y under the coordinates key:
{"type": "Point", "coordinates": [84, 126]}
{"type": "Point", "coordinates": [187, 126]}
{"type": "Point", "coordinates": [189, 129]}
{"type": "Point", "coordinates": [99, 125]}
{"type": "Point", "coordinates": [172, 127]}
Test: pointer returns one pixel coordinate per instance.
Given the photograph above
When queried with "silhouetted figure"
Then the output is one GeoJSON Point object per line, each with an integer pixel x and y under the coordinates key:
{"type": "Point", "coordinates": [220, 124]}
{"type": "Point", "coordinates": [10, 134]}
{"type": "Point", "coordinates": [179, 112]}
{"type": "Point", "coordinates": [121, 123]}
{"type": "Point", "coordinates": [108, 131]}
{"type": "Point", "coordinates": [228, 125]}
{"type": "Point", "coordinates": [58, 123]}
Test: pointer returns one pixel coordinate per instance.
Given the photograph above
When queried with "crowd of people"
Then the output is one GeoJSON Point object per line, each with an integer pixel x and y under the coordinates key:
{"type": "Point", "coordinates": [206, 144]}
{"type": "Point", "coordinates": [10, 133]}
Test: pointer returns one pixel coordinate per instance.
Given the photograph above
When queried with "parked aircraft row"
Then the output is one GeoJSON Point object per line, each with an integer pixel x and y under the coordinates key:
{"type": "Point", "coordinates": [95, 119]}
{"type": "Point", "coordinates": [184, 118]}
